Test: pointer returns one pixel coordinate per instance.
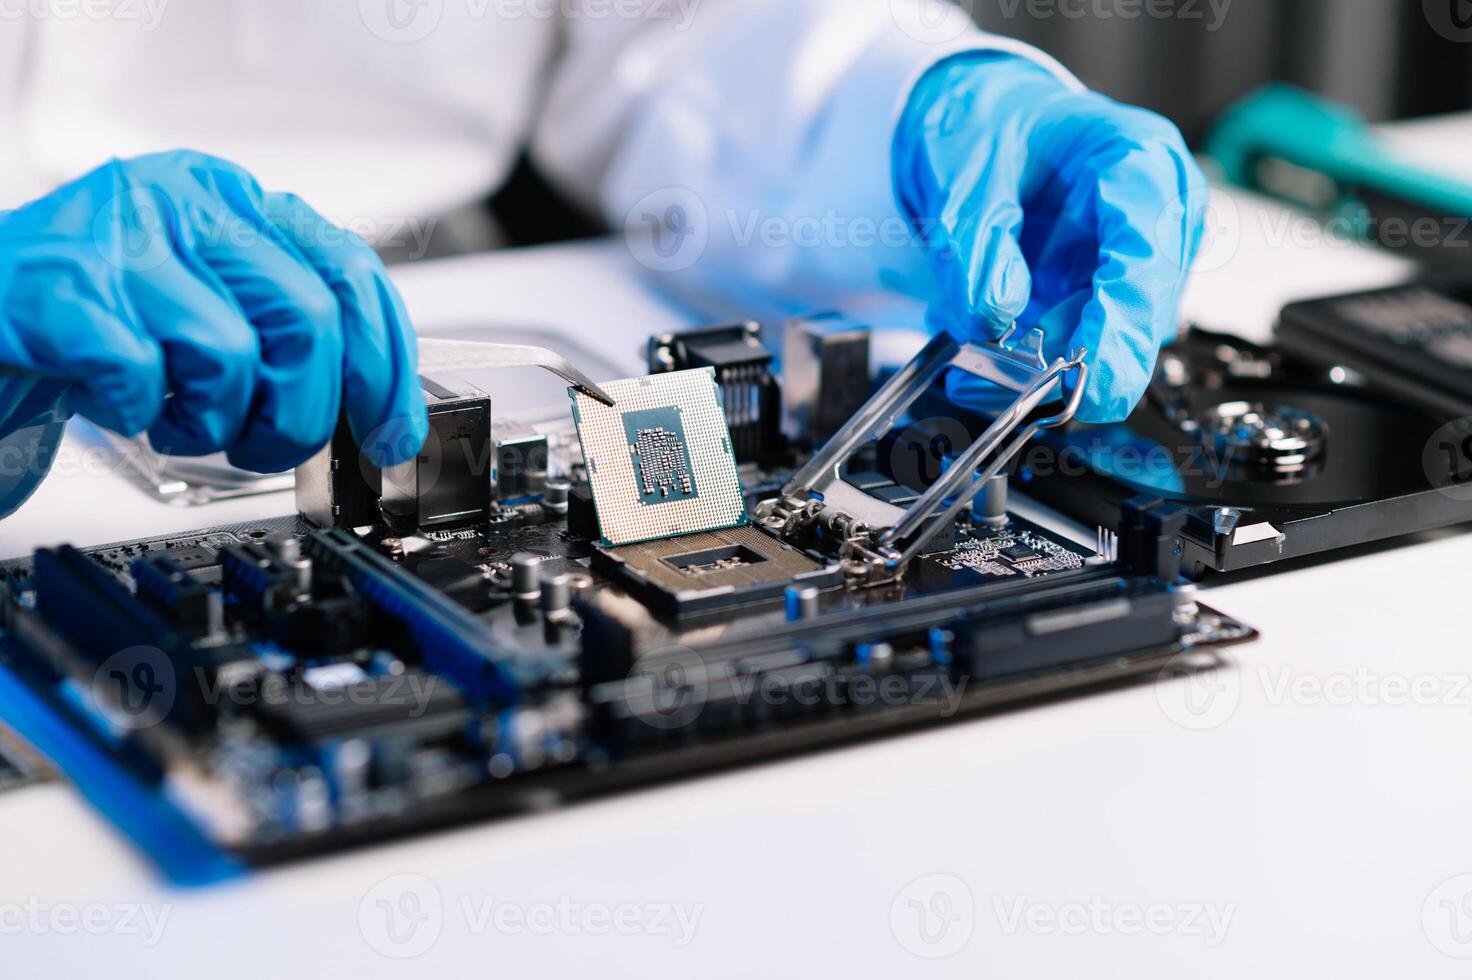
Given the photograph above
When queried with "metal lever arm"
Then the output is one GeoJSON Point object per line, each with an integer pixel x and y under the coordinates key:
{"type": "Point", "coordinates": [899, 535]}
{"type": "Point", "coordinates": [964, 480]}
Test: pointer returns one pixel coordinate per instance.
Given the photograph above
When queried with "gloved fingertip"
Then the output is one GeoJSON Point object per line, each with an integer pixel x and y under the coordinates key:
{"type": "Point", "coordinates": [1006, 293]}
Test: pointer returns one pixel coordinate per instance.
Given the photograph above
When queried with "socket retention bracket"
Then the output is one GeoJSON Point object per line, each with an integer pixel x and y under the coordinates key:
{"type": "Point", "coordinates": [878, 539]}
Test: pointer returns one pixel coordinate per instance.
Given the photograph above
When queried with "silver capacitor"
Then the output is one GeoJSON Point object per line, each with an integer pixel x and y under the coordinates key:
{"type": "Point", "coordinates": [990, 505]}
{"type": "Point", "coordinates": [556, 593]}
{"type": "Point", "coordinates": [554, 496]}
{"type": "Point", "coordinates": [525, 575]}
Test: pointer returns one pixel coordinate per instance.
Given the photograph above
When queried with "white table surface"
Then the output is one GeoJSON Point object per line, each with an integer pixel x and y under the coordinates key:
{"type": "Point", "coordinates": [1293, 815]}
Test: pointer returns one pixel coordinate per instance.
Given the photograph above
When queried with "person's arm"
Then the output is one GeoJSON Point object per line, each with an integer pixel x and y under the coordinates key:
{"type": "Point", "coordinates": [768, 122]}
{"type": "Point", "coordinates": [789, 149]}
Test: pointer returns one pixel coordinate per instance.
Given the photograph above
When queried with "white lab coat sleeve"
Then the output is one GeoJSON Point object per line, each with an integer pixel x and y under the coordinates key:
{"type": "Point", "coordinates": [15, 39]}
{"type": "Point", "coordinates": [743, 146]}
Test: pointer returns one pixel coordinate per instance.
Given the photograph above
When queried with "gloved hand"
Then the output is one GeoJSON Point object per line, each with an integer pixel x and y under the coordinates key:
{"type": "Point", "coordinates": [1062, 209]}
{"type": "Point", "coordinates": [169, 293]}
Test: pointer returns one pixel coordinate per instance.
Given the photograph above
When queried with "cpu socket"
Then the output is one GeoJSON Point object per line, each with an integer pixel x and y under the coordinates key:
{"type": "Point", "coordinates": [711, 570]}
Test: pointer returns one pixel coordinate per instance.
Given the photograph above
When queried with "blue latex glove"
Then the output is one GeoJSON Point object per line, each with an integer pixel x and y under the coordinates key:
{"type": "Point", "coordinates": [1060, 209]}
{"type": "Point", "coordinates": [169, 293]}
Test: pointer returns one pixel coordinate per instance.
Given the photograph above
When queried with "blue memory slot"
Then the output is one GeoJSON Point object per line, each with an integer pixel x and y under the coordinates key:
{"type": "Point", "coordinates": [450, 639]}
{"type": "Point", "coordinates": [154, 825]}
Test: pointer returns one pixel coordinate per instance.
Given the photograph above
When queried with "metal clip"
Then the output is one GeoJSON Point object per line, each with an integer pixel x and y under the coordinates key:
{"type": "Point", "coordinates": [883, 538]}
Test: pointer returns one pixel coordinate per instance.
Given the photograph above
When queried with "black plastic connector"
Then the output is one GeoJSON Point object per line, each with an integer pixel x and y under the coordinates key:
{"type": "Point", "coordinates": [750, 391]}
{"type": "Point", "coordinates": [1150, 536]}
{"type": "Point", "coordinates": [169, 588]}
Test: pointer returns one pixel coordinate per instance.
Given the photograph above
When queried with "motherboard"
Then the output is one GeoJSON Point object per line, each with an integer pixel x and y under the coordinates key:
{"type": "Point", "coordinates": [525, 616]}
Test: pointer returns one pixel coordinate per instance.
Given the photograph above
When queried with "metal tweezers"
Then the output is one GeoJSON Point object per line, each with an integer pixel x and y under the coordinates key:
{"type": "Point", "coordinates": [475, 355]}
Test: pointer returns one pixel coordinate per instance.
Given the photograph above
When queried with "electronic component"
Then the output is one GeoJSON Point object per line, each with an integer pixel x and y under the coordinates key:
{"type": "Point", "coordinates": [161, 580]}
{"type": "Point", "coordinates": [1104, 619]}
{"type": "Point", "coordinates": [521, 460]}
{"type": "Point", "coordinates": [339, 487]}
{"type": "Point", "coordinates": [525, 580]}
{"type": "Point", "coordinates": [825, 368]}
{"type": "Point", "coordinates": [990, 505]}
{"type": "Point", "coordinates": [1018, 553]}
{"type": "Point", "coordinates": [258, 581]}
{"type": "Point", "coordinates": [469, 460]}
{"type": "Point", "coordinates": [125, 652]}
{"type": "Point", "coordinates": [412, 704]}
{"type": "Point", "coordinates": [445, 636]}
{"type": "Point", "coordinates": [661, 456]}
{"type": "Point", "coordinates": [449, 481]}
{"type": "Point", "coordinates": [750, 392]}
{"type": "Point", "coordinates": [1277, 452]}
{"type": "Point", "coordinates": [268, 691]}
{"type": "Point", "coordinates": [1007, 552]}
{"type": "Point", "coordinates": [714, 569]}
{"type": "Point", "coordinates": [582, 517]}
{"type": "Point", "coordinates": [93, 610]}
{"type": "Point", "coordinates": [878, 537]}
{"type": "Point", "coordinates": [660, 461]}
{"type": "Point", "coordinates": [1419, 336]}
{"type": "Point", "coordinates": [556, 496]}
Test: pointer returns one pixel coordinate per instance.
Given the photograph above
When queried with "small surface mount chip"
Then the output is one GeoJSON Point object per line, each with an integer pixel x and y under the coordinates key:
{"type": "Point", "coordinates": [659, 461]}
{"type": "Point", "coordinates": [1009, 552]}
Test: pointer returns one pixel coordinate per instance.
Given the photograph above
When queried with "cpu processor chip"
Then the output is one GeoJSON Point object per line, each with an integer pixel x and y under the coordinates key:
{"type": "Point", "coordinates": [659, 461]}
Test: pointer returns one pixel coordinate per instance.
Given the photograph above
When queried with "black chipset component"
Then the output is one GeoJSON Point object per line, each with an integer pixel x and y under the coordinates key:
{"type": "Point", "coordinates": [1019, 552]}
{"type": "Point", "coordinates": [413, 704]}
